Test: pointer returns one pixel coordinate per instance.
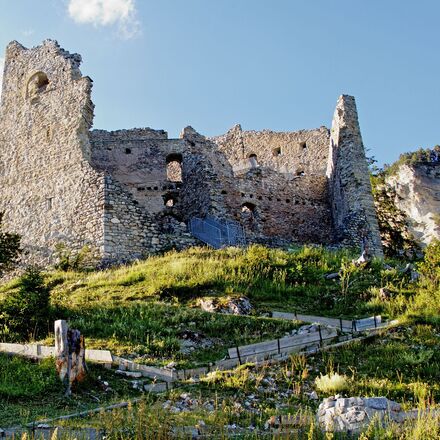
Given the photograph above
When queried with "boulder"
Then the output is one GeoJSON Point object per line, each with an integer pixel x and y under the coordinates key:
{"type": "Point", "coordinates": [353, 414]}
{"type": "Point", "coordinates": [239, 305]}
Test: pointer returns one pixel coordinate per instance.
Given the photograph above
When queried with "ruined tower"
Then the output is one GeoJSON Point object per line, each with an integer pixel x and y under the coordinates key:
{"type": "Point", "coordinates": [49, 191]}
{"type": "Point", "coordinates": [353, 211]}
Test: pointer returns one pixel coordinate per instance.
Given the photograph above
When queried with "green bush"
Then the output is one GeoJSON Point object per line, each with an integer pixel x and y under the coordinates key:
{"type": "Point", "coordinates": [25, 312]}
{"type": "Point", "coordinates": [430, 266]}
{"type": "Point", "coordinates": [9, 249]}
{"type": "Point", "coordinates": [70, 260]}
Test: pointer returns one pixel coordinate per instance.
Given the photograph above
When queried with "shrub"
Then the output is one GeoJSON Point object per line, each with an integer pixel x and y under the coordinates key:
{"type": "Point", "coordinates": [70, 260]}
{"type": "Point", "coordinates": [9, 249]}
{"type": "Point", "coordinates": [331, 383]}
{"type": "Point", "coordinates": [430, 267]}
{"type": "Point", "coordinates": [26, 310]}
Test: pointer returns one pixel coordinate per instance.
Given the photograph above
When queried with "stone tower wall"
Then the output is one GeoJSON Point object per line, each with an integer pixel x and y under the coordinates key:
{"type": "Point", "coordinates": [352, 203]}
{"type": "Point", "coordinates": [49, 192]}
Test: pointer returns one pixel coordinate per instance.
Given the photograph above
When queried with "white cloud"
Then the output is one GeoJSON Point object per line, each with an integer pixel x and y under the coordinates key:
{"type": "Point", "coordinates": [2, 65]}
{"type": "Point", "coordinates": [121, 13]}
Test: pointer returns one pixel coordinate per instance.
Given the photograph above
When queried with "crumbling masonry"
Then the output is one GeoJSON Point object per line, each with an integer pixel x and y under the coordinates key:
{"type": "Point", "coordinates": [129, 193]}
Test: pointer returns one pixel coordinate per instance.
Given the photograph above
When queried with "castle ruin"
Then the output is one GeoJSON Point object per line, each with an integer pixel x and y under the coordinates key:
{"type": "Point", "coordinates": [130, 193]}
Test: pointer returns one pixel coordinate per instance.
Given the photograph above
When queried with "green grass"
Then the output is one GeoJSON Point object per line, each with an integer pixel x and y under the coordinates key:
{"type": "Point", "coordinates": [153, 330]}
{"type": "Point", "coordinates": [402, 365]}
{"type": "Point", "coordinates": [23, 379]}
{"type": "Point", "coordinates": [31, 391]}
{"type": "Point", "coordinates": [294, 280]}
{"type": "Point", "coordinates": [142, 310]}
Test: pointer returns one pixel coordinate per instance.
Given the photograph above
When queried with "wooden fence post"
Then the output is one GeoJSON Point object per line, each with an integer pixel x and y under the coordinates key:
{"type": "Point", "coordinates": [238, 355]}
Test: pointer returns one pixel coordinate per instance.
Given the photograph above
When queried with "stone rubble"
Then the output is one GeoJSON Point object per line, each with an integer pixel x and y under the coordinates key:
{"type": "Point", "coordinates": [229, 305]}
{"type": "Point", "coordinates": [352, 414]}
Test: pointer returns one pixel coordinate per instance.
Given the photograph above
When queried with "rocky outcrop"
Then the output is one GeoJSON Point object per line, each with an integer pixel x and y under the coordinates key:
{"type": "Point", "coordinates": [353, 414]}
{"type": "Point", "coordinates": [229, 305]}
{"type": "Point", "coordinates": [415, 189]}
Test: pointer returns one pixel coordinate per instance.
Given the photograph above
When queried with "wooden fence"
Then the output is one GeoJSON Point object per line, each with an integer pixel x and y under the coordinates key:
{"type": "Point", "coordinates": [345, 325]}
{"type": "Point", "coordinates": [255, 353]}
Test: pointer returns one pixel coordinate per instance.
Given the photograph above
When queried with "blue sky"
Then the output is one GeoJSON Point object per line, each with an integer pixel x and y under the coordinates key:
{"type": "Point", "coordinates": [276, 64]}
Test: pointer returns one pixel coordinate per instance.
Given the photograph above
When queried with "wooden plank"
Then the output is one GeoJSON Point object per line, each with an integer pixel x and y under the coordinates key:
{"type": "Point", "coordinates": [159, 387]}
{"type": "Point", "coordinates": [371, 322]}
{"type": "Point", "coordinates": [298, 340]}
{"type": "Point", "coordinates": [46, 351]}
{"type": "Point", "coordinates": [258, 347]}
{"type": "Point", "coordinates": [274, 346]}
{"type": "Point", "coordinates": [332, 322]}
{"type": "Point", "coordinates": [147, 371]}
{"type": "Point", "coordinates": [284, 315]}
{"type": "Point", "coordinates": [226, 364]}
{"type": "Point", "coordinates": [196, 372]}
{"type": "Point", "coordinates": [29, 350]}
{"type": "Point", "coordinates": [42, 351]}
{"type": "Point", "coordinates": [99, 356]}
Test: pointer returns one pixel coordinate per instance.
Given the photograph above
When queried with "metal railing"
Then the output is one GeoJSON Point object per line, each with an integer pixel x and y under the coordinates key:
{"type": "Point", "coordinates": [217, 233]}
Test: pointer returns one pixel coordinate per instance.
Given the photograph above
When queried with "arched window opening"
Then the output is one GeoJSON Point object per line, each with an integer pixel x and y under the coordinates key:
{"type": "Point", "coordinates": [276, 151]}
{"type": "Point", "coordinates": [169, 201]}
{"type": "Point", "coordinates": [300, 173]}
{"type": "Point", "coordinates": [36, 85]}
{"type": "Point", "coordinates": [303, 145]}
{"type": "Point", "coordinates": [253, 160]}
{"type": "Point", "coordinates": [248, 212]}
{"type": "Point", "coordinates": [174, 167]}
{"type": "Point", "coordinates": [248, 208]}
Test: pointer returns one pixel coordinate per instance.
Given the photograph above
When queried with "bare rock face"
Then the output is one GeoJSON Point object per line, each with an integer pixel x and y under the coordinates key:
{"type": "Point", "coordinates": [355, 413]}
{"type": "Point", "coordinates": [232, 306]}
{"type": "Point", "coordinates": [417, 194]}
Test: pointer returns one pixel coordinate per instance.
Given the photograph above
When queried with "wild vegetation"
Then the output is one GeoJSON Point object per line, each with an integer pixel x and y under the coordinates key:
{"type": "Point", "coordinates": [25, 312]}
{"type": "Point", "coordinates": [9, 249]}
{"type": "Point", "coordinates": [143, 310]}
{"type": "Point", "coordinates": [421, 156]}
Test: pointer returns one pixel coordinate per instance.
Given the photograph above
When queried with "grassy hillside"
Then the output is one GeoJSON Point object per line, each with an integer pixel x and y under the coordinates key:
{"type": "Point", "coordinates": [143, 311]}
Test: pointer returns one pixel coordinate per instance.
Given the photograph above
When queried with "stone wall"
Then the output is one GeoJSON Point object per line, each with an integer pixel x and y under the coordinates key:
{"type": "Point", "coordinates": [297, 153]}
{"type": "Point", "coordinates": [354, 215]}
{"type": "Point", "coordinates": [49, 191]}
{"type": "Point", "coordinates": [129, 193]}
{"type": "Point", "coordinates": [280, 186]}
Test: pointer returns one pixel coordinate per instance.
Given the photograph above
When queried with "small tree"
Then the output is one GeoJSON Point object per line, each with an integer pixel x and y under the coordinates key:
{"type": "Point", "coordinates": [9, 249]}
{"type": "Point", "coordinates": [430, 266]}
{"type": "Point", "coordinates": [26, 311]}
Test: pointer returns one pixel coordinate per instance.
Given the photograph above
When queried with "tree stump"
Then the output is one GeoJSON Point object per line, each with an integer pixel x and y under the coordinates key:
{"type": "Point", "coordinates": [69, 355]}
